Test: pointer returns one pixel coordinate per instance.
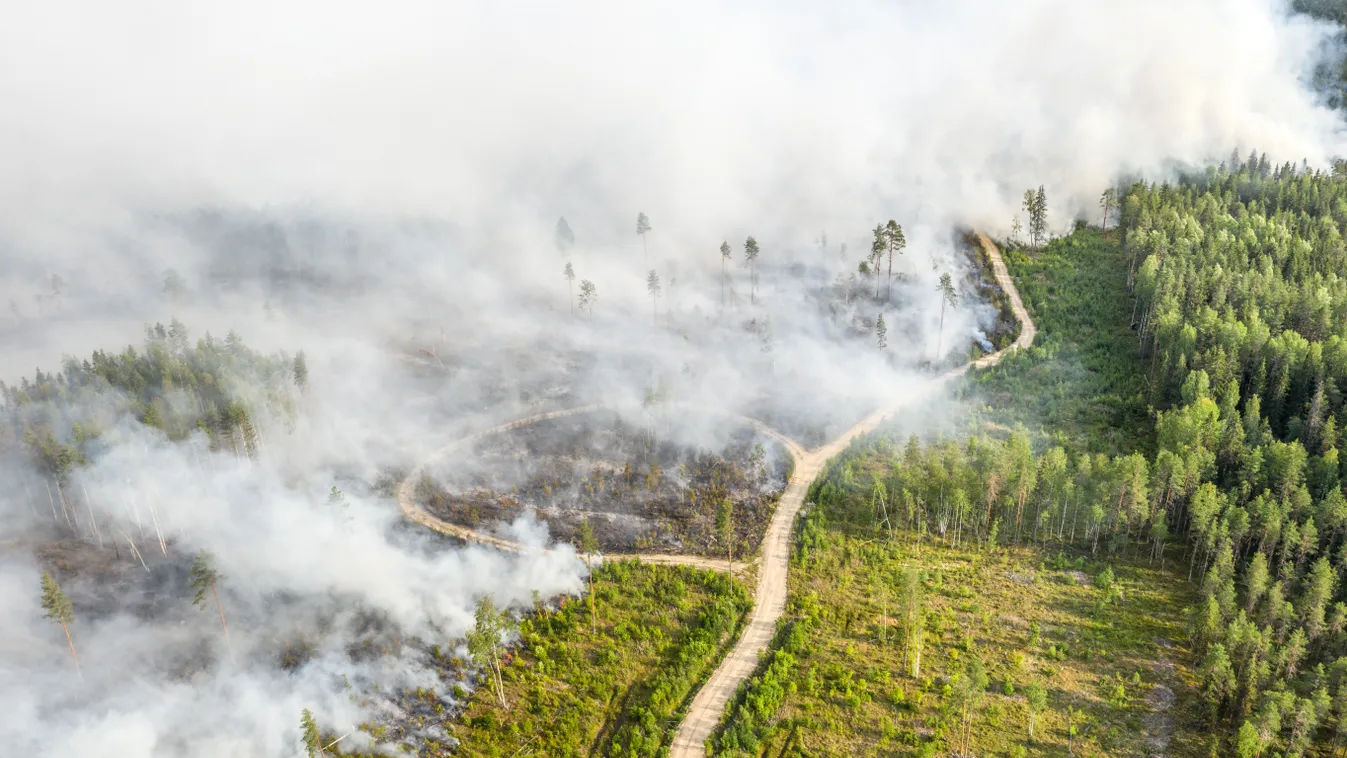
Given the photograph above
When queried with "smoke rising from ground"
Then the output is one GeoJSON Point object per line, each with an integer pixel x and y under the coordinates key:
{"type": "Point", "coordinates": [340, 180]}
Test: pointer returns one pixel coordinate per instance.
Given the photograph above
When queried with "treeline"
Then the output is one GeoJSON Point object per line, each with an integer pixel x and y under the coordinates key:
{"type": "Point", "coordinates": [1241, 318]}
{"type": "Point", "coordinates": [215, 386]}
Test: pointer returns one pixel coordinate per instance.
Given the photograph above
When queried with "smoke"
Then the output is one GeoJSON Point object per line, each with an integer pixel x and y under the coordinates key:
{"type": "Point", "coordinates": [361, 184]}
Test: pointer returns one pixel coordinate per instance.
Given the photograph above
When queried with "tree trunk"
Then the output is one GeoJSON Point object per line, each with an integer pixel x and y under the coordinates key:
{"type": "Point", "coordinates": [940, 338]}
{"type": "Point", "coordinates": [223, 624]}
{"type": "Point", "coordinates": [74, 657]}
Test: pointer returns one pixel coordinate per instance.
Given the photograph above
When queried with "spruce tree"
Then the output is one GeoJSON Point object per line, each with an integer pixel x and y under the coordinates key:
{"type": "Point", "coordinates": [881, 332]}
{"type": "Point", "coordinates": [565, 238]}
{"type": "Point", "coordinates": [750, 259]}
{"type": "Point", "coordinates": [652, 286]}
{"type": "Point", "coordinates": [642, 227]}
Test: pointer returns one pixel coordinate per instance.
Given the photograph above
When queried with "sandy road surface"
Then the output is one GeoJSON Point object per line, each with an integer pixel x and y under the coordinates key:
{"type": "Point", "coordinates": [770, 599]}
{"type": "Point", "coordinates": [770, 596]}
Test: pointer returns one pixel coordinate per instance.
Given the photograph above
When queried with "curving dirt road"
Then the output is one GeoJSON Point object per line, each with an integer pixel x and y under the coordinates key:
{"type": "Point", "coordinates": [413, 511]}
{"type": "Point", "coordinates": [770, 597]}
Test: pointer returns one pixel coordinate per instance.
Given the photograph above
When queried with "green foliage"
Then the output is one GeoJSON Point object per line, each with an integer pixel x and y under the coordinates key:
{"type": "Point", "coordinates": [203, 577]}
{"type": "Point", "coordinates": [215, 387]}
{"type": "Point", "coordinates": [616, 691]}
{"type": "Point", "coordinates": [55, 602]}
{"type": "Point", "coordinates": [1081, 378]}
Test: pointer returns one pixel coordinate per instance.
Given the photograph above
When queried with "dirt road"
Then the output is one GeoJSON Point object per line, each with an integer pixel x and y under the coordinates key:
{"type": "Point", "coordinates": [770, 599]}
{"type": "Point", "coordinates": [774, 559]}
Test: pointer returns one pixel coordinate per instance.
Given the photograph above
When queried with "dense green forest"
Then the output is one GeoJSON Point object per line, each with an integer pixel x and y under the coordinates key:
{"type": "Point", "coordinates": [1182, 410]}
{"type": "Point", "coordinates": [219, 387]}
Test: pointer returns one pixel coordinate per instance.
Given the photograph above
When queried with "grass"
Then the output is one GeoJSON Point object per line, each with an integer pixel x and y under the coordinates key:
{"type": "Point", "coordinates": [572, 692]}
{"type": "Point", "coordinates": [1081, 383]}
{"type": "Point", "coordinates": [847, 695]}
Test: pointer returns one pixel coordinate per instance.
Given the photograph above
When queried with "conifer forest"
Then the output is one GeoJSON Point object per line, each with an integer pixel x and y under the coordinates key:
{"type": "Point", "coordinates": [679, 380]}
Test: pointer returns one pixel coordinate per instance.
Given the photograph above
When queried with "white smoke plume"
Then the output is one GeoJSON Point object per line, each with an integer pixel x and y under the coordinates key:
{"type": "Point", "coordinates": [340, 178]}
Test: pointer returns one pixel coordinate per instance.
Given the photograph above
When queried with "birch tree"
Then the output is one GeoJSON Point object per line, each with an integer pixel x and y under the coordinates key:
{"type": "Point", "coordinates": [484, 643]}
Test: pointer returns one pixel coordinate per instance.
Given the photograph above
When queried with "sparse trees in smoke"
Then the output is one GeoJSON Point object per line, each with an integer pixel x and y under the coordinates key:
{"type": "Point", "coordinates": [652, 286]}
{"type": "Point", "coordinates": [894, 241]}
{"type": "Point", "coordinates": [1108, 201]}
{"type": "Point", "coordinates": [565, 238]}
{"type": "Point", "coordinates": [725, 529]}
{"type": "Point", "coordinates": [724, 259]}
{"type": "Point", "coordinates": [948, 297]}
{"type": "Point", "coordinates": [308, 728]}
{"type": "Point", "coordinates": [588, 295]}
{"type": "Point", "coordinates": [881, 332]}
{"type": "Point", "coordinates": [1036, 205]}
{"type": "Point", "coordinates": [1016, 229]}
{"type": "Point", "coordinates": [751, 260]}
{"type": "Point", "coordinates": [484, 642]}
{"type": "Point", "coordinates": [642, 228]}
{"type": "Point", "coordinates": [300, 372]}
{"type": "Point", "coordinates": [569, 273]}
{"type": "Point", "coordinates": [588, 546]}
{"type": "Point", "coordinates": [59, 609]}
{"type": "Point", "coordinates": [174, 286]}
{"type": "Point", "coordinates": [205, 578]}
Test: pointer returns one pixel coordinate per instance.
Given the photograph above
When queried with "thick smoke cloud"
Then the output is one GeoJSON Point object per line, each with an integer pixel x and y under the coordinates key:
{"type": "Point", "coordinates": [360, 182]}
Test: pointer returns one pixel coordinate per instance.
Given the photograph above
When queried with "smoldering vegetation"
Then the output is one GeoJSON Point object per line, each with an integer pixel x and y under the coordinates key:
{"type": "Point", "coordinates": [639, 491]}
{"type": "Point", "coordinates": [386, 199]}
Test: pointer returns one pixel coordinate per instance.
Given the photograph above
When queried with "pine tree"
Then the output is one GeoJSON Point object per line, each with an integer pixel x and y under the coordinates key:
{"type": "Point", "coordinates": [652, 286]}
{"type": "Point", "coordinates": [947, 297]}
{"type": "Point", "coordinates": [750, 259]}
{"type": "Point", "coordinates": [569, 273]}
{"type": "Point", "coordinates": [895, 242]}
{"type": "Point", "coordinates": [565, 238]}
{"type": "Point", "coordinates": [724, 259]}
{"type": "Point", "coordinates": [59, 609]}
{"type": "Point", "coordinates": [205, 576]}
{"type": "Point", "coordinates": [877, 248]}
{"type": "Point", "coordinates": [881, 332]}
{"type": "Point", "coordinates": [1107, 201]}
{"type": "Point", "coordinates": [642, 227]}
{"type": "Point", "coordinates": [1041, 206]}
{"type": "Point", "coordinates": [1030, 206]}
{"type": "Point", "coordinates": [308, 728]}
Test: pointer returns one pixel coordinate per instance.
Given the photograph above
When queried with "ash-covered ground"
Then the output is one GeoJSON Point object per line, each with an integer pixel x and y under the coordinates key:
{"type": "Point", "coordinates": [639, 490]}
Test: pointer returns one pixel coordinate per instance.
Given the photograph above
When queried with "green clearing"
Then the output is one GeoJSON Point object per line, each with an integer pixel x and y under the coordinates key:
{"type": "Point", "coordinates": [620, 691]}
{"type": "Point", "coordinates": [836, 688]}
{"type": "Point", "coordinates": [1081, 382]}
